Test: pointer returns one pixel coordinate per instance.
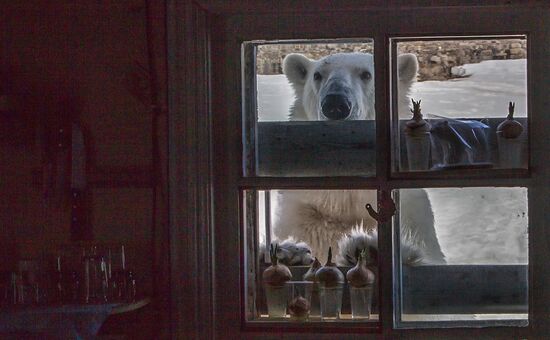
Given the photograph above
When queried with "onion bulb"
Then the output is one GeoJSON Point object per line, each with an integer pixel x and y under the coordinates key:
{"type": "Point", "coordinates": [360, 275]}
{"type": "Point", "coordinates": [510, 128]}
{"type": "Point", "coordinates": [417, 124]}
{"type": "Point", "coordinates": [298, 308]}
{"type": "Point", "coordinates": [329, 275]}
{"type": "Point", "coordinates": [277, 274]}
{"type": "Point", "coordinates": [310, 274]}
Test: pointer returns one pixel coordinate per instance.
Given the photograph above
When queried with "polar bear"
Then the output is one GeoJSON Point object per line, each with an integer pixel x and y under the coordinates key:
{"type": "Point", "coordinates": [341, 86]}
{"type": "Point", "coordinates": [336, 87]}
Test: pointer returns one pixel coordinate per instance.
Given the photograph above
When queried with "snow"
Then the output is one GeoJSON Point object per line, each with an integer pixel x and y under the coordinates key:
{"type": "Point", "coordinates": [474, 225]}
{"type": "Point", "coordinates": [275, 96]}
{"type": "Point", "coordinates": [485, 93]}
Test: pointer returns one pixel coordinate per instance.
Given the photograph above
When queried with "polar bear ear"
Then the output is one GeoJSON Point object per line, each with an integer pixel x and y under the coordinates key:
{"type": "Point", "coordinates": [295, 67]}
{"type": "Point", "coordinates": [407, 67]}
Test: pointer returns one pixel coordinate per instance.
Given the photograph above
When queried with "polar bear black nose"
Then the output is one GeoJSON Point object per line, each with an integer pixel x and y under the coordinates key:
{"type": "Point", "coordinates": [335, 107]}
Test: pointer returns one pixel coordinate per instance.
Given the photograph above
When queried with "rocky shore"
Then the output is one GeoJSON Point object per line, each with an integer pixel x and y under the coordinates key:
{"type": "Point", "coordinates": [438, 60]}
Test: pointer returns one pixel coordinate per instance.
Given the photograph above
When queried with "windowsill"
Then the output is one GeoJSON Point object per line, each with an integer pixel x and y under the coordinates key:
{"type": "Point", "coordinates": [343, 318]}
{"type": "Point", "coordinates": [463, 317]}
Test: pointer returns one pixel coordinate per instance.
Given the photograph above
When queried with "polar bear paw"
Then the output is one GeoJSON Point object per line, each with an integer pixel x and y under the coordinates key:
{"type": "Point", "coordinates": [291, 252]}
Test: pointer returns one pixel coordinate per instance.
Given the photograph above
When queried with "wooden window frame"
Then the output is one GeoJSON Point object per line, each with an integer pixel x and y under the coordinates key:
{"type": "Point", "coordinates": [205, 147]}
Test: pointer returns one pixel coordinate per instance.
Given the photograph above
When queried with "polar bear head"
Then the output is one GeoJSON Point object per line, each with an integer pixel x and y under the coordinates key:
{"type": "Point", "coordinates": [341, 86]}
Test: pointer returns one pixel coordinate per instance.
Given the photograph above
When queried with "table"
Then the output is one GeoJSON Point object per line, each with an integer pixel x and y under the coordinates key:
{"type": "Point", "coordinates": [62, 321]}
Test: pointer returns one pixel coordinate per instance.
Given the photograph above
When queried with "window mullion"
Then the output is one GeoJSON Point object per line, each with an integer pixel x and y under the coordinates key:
{"type": "Point", "coordinates": [381, 62]}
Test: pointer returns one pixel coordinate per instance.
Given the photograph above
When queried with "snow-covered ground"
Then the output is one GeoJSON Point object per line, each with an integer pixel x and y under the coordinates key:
{"type": "Point", "coordinates": [474, 225]}
{"type": "Point", "coordinates": [485, 93]}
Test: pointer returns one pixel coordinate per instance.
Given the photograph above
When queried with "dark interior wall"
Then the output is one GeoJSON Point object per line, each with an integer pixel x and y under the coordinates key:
{"type": "Point", "coordinates": [68, 61]}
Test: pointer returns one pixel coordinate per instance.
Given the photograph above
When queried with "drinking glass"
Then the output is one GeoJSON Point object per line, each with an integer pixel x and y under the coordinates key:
{"type": "Point", "coordinates": [95, 275]}
{"type": "Point", "coordinates": [299, 299]}
{"type": "Point", "coordinates": [361, 301]}
{"type": "Point", "coordinates": [331, 301]}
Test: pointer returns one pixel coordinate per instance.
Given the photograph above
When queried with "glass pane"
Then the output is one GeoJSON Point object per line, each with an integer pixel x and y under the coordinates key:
{"type": "Point", "coordinates": [467, 262]}
{"type": "Point", "coordinates": [309, 108]}
{"type": "Point", "coordinates": [302, 226]}
{"type": "Point", "coordinates": [466, 89]}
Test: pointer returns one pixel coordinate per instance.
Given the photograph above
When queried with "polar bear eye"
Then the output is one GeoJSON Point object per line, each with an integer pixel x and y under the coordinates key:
{"type": "Point", "coordinates": [365, 75]}
{"type": "Point", "coordinates": [317, 76]}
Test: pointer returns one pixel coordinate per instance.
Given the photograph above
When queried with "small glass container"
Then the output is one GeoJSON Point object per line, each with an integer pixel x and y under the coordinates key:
{"type": "Point", "coordinates": [510, 151]}
{"type": "Point", "coordinates": [315, 304]}
{"type": "Point", "coordinates": [131, 289]}
{"type": "Point", "coordinates": [276, 297]}
{"type": "Point", "coordinates": [95, 276]}
{"type": "Point", "coordinates": [418, 151]}
{"type": "Point", "coordinates": [299, 299]}
{"type": "Point", "coordinates": [361, 301]}
{"type": "Point", "coordinates": [331, 301]}
{"type": "Point", "coordinates": [28, 290]}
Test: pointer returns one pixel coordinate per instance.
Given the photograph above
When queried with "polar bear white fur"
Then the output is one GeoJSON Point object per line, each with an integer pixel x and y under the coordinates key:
{"type": "Point", "coordinates": [341, 86]}
{"type": "Point", "coordinates": [351, 74]}
{"type": "Point", "coordinates": [358, 239]}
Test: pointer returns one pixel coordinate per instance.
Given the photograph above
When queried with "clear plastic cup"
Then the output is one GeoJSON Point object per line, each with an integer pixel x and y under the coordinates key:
{"type": "Point", "coordinates": [510, 151]}
{"type": "Point", "coordinates": [299, 299]}
{"type": "Point", "coordinates": [95, 276]}
{"type": "Point", "coordinates": [418, 151]}
{"type": "Point", "coordinates": [315, 304]}
{"type": "Point", "coordinates": [361, 302]}
{"type": "Point", "coordinates": [331, 301]}
{"type": "Point", "coordinates": [276, 298]}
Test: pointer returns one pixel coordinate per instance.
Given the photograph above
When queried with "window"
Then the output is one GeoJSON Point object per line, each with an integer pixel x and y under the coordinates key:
{"type": "Point", "coordinates": [294, 131]}
{"type": "Point", "coordinates": [269, 301]}
{"type": "Point", "coordinates": [286, 140]}
{"type": "Point", "coordinates": [482, 232]}
{"type": "Point", "coordinates": [472, 97]}
{"type": "Point", "coordinates": [247, 190]}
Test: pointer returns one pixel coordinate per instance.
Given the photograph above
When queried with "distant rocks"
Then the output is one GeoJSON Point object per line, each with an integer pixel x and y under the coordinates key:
{"type": "Point", "coordinates": [438, 60]}
{"type": "Point", "coordinates": [458, 72]}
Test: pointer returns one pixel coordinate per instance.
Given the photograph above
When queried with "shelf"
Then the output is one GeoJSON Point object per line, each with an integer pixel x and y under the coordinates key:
{"type": "Point", "coordinates": [115, 307]}
{"type": "Point", "coordinates": [83, 320]}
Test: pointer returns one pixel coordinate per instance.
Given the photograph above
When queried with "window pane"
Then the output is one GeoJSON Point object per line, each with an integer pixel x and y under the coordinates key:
{"type": "Point", "coordinates": [465, 88]}
{"type": "Point", "coordinates": [467, 262]}
{"type": "Point", "coordinates": [309, 108]}
{"type": "Point", "coordinates": [304, 225]}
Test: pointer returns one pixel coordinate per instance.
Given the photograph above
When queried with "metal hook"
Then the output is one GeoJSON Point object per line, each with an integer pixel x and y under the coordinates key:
{"type": "Point", "coordinates": [386, 208]}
